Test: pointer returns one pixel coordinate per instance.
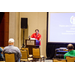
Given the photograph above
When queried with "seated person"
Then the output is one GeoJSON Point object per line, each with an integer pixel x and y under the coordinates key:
{"type": "Point", "coordinates": [71, 50]}
{"type": "Point", "coordinates": [12, 49]}
{"type": "Point", "coordinates": [1, 55]}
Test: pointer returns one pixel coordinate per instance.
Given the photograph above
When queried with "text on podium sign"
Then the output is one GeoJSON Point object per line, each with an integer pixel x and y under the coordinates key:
{"type": "Point", "coordinates": [30, 42]}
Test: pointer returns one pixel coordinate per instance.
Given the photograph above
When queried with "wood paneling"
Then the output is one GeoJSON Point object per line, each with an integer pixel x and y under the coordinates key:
{"type": "Point", "coordinates": [4, 30]}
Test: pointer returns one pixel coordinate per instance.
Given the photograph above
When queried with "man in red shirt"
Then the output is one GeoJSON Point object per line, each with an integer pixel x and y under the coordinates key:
{"type": "Point", "coordinates": [37, 36]}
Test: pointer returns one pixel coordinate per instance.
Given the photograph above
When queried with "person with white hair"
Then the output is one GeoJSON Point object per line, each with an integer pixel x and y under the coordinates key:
{"type": "Point", "coordinates": [12, 49]}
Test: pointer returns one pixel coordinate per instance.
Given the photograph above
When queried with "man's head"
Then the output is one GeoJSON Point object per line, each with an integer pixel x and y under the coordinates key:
{"type": "Point", "coordinates": [36, 31]}
{"type": "Point", "coordinates": [11, 41]}
{"type": "Point", "coordinates": [70, 47]}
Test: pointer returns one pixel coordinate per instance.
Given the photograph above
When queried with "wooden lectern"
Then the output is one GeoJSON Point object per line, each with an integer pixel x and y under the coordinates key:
{"type": "Point", "coordinates": [31, 44]}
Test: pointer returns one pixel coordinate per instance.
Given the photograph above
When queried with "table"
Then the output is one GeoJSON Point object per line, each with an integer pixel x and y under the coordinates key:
{"type": "Point", "coordinates": [59, 53]}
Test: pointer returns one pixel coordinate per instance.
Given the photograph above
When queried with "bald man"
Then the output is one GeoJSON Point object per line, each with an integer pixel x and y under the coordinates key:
{"type": "Point", "coordinates": [71, 50]}
{"type": "Point", "coordinates": [12, 49]}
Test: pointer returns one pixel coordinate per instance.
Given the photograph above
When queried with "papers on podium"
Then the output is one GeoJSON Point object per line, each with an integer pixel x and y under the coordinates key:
{"type": "Point", "coordinates": [32, 39]}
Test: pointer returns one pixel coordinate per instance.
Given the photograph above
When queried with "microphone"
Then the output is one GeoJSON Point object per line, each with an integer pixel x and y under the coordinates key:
{"type": "Point", "coordinates": [29, 37]}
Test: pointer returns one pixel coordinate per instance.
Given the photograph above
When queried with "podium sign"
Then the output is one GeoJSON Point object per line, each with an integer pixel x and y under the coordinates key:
{"type": "Point", "coordinates": [30, 42]}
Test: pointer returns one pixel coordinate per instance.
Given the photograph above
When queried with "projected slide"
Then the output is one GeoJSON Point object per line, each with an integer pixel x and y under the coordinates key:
{"type": "Point", "coordinates": [61, 27]}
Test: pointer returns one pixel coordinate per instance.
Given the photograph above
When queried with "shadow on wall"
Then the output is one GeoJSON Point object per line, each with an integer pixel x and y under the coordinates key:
{"type": "Point", "coordinates": [1, 16]}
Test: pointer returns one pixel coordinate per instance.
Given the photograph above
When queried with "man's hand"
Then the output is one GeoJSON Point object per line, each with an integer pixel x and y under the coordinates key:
{"type": "Point", "coordinates": [39, 39]}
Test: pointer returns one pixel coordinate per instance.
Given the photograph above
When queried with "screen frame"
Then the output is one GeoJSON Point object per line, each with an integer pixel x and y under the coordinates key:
{"type": "Point", "coordinates": [48, 14]}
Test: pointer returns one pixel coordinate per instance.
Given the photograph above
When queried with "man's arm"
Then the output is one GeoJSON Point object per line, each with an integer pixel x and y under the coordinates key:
{"type": "Point", "coordinates": [32, 36]}
{"type": "Point", "coordinates": [19, 53]}
{"type": "Point", "coordinates": [0, 49]}
{"type": "Point", "coordinates": [40, 39]}
{"type": "Point", "coordinates": [64, 56]}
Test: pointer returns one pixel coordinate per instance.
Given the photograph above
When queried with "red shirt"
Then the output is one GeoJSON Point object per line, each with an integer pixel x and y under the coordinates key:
{"type": "Point", "coordinates": [36, 36]}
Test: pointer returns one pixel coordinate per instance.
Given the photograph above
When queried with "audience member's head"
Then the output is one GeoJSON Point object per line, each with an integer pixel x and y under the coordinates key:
{"type": "Point", "coordinates": [70, 47]}
{"type": "Point", "coordinates": [11, 41]}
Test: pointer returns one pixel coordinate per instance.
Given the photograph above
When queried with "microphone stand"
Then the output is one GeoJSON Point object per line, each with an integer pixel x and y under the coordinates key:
{"type": "Point", "coordinates": [23, 38]}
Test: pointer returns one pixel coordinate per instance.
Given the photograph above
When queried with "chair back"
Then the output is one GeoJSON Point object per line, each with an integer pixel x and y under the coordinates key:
{"type": "Point", "coordinates": [59, 60]}
{"type": "Point", "coordinates": [36, 52]}
{"type": "Point", "coordinates": [27, 50]}
{"type": "Point", "coordinates": [9, 57]}
{"type": "Point", "coordinates": [70, 59]}
{"type": "Point", "coordinates": [24, 54]}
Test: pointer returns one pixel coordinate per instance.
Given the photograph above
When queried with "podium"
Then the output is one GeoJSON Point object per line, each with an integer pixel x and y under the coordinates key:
{"type": "Point", "coordinates": [31, 44]}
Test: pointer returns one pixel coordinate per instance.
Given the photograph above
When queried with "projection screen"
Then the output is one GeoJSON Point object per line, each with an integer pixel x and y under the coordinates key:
{"type": "Point", "coordinates": [61, 27]}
